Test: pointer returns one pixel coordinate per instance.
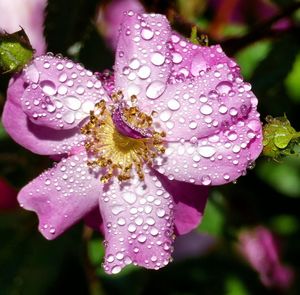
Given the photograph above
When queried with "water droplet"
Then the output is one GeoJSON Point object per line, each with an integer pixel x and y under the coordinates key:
{"type": "Point", "coordinates": [150, 221]}
{"type": "Point", "coordinates": [206, 109]}
{"type": "Point", "coordinates": [147, 33]}
{"type": "Point", "coordinates": [129, 197]}
{"type": "Point", "coordinates": [206, 151]}
{"type": "Point", "coordinates": [160, 212]}
{"type": "Point", "coordinates": [173, 104]}
{"type": "Point", "coordinates": [131, 228]}
{"type": "Point", "coordinates": [142, 238]}
{"type": "Point", "coordinates": [48, 87]}
{"type": "Point", "coordinates": [62, 90]}
{"type": "Point", "coordinates": [144, 72]}
{"type": "Point", "coordinates": [206, 180]}
{"type": "Point", "coordinates": [134, 64]}
{"type": "Point", "coordinates": [72, 103]}
{"type": "Point", "coordinates": [193, 125]}
{"type": "Point", "coordinates": [63, 77]}
{"type": "Point", "coordinates": [117, 209]}
{"type": "Point", "coordinates": [232, 136]}
{"type": "Point", "coordinates": [155, 89]}
{"type": "Point", "coordinates": [157, 58]}
{"type": "Point", "coordinates": [69, 117]}
{"type": "Point", "coordinates": [165, 115]}
{"type": "Point", "coordinates": [51, 108]}
{"type": "Point", "coordinates": [223, 109]}
{"type": "Point", "coordinates": [121, 221]}
{"type": "Point", "coordinates": [110, 258]}
{"type": "Point", "coordinates": [224, 87]}
{"type": "Point", "coordinates": [154, 231]}
{"type": "Point", "coordinates": [176, 57]}
{"type": "Point", "coordinates": [116, 269]}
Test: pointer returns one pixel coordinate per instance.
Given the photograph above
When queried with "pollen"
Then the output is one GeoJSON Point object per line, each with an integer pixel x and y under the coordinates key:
{"type": "Point", "coordinates": [118, 153]}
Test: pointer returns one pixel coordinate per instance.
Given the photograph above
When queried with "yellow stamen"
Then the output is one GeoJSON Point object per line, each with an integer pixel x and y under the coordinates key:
{"type": "Point", "coordinates": [118, 153]}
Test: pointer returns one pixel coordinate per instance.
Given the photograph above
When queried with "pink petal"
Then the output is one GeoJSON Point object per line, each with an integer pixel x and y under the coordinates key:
{"type": "Point", "coordinates": [109, 18]}
{"type": "Point", "coordinates": [217, 159]}
{"type": "Point", "coordinates": [190, 59]}
{"type": "Point", "coordinates": [38, 139]}
{"type": "Point", "coordinates": [29, 15]}
{"type": "Point", "coordinates": [142, 62]}
{"type": "Point", "coordinates": [62, 195]}
{"type": "Point", "coordinates": [204, 105]}
{"type": "Point", "coordinates": [189, 203]}
{"type": "Point", "coordinates": [138, 223]}
{"type": "Point", "coordinates": [61, 93]}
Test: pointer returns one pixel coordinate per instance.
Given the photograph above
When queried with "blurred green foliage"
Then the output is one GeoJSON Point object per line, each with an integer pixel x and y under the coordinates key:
{"type": "Point", "coordinates": [268, 195]}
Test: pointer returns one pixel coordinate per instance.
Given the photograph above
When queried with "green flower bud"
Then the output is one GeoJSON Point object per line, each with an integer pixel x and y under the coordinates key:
{"type": "Point", "coordinates": [15, 51]}
{"type": "Point", "coordinates": [279, 137]}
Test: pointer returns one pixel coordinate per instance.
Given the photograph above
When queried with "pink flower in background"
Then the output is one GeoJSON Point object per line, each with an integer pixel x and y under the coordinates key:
{"type": "Point", "coordinates": [27, 14]}
{"type": "Point", "coordinates": [260, 249]}
{"type": "Point", "coordinates": [180, 117]}
{"type": "Point", "coordinates": [243, 12]}
{"type": "Point", "coordinates": [8, 196]}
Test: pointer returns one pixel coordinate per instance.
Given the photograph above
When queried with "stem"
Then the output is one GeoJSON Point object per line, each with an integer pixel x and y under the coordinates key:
{"type": "Point", "coordinates": [93, 280]}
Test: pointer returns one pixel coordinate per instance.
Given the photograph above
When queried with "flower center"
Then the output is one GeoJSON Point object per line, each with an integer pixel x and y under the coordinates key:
{"type": "Point", "coordinates": [121, 138]}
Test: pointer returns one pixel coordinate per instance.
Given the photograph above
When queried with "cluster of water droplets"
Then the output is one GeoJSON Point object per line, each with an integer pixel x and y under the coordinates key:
{"type": "Point", "coordinates": [200, 100]}
{"type": "Point", "coordinates": [138, 222]}
{"type": "Point", "coordinates": [57, 191]}
{"type": "Point", "coordinates": [60, 93]}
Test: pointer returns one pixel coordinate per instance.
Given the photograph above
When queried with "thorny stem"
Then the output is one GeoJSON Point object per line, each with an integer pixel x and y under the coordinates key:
{"type": "Point", "coordinates": [93, 280]}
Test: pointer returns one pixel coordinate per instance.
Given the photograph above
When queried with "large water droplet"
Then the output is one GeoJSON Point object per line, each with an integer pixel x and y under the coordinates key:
{"type": "Point", "coordinates": [147, 33]}
{"type": "Point", "coordinates": [206, 109]}
{"type": "Point", "coordinates": [173, 104]}
{"type": "Point", "coordinates": [224, 87]}
{"type": "Point", "coordinates": [72, 103]}
{"type": "Point", "coordinates": [206, 151]}
{"type": "Point", "coordinates": [144, 72]}
{"type": "Point", "coordinates": [48, 87]}
{"type": "Point", "coordinates": [116, 269]}
{"type": "Point", "coordinates": [129, 197]}
{"type": "Point", "coordinates": [155, 89]}
{"type": "Point", "coordinates": [206, 180]}
{"type": "Point", "coordinates": [157, 58]}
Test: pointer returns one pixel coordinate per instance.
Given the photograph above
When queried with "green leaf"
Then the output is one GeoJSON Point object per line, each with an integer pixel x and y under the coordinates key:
{"type": "Point", "coordinates": [283, 177]}
{"type": "Point", "coordinates": [15, 51]}
{"type": "Point", "coordinates": [213, 220]}
{"type": "Point", "coordinates": [292, 81]}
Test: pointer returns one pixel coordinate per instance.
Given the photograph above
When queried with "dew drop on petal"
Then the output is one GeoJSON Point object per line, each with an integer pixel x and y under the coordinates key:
{"type": "Point", "coordinates": [206, 151]}
{"type": "Point", "coordinates": [72, 103]}
{"type": "Point", "coordinates": [157, 58]}
{"type": "Point", "coordinates": [173, 104]}
{"type": "Point", "coordinates": [129, 197]}
{"type": "Point", "coordinates": [116, 269]}
{"type": "Point", "coordinates": [147, 33]}
{"type": "Point", "coordinates": [48, 87]}
{"type": "Point", "coordinates": [206, 180]}
{"type": "Point", "coordinates": [206, 109]}
{"type": "Point", "coordinates": [155, 89]}
{"type": "Point", "coordinates": [144, 72]}
{"type": "Point", "coordinates": [224, 87]}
